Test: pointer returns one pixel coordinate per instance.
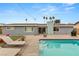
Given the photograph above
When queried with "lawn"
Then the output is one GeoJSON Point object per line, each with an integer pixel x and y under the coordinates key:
{"type": "Point", "coordinates": [2, 44]}
{"type": "Point", "coordinates": [15, 37]}
{"type": "Point", "coordinates": [0, 31]}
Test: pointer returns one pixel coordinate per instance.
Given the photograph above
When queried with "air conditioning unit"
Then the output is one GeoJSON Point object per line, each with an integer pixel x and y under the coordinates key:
{"type": "Point", "coordinates": [57, 21]}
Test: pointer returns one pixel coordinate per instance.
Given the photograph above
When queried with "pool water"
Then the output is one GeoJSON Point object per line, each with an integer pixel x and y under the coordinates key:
{"type": "Point", "coordinates": [58, 47]}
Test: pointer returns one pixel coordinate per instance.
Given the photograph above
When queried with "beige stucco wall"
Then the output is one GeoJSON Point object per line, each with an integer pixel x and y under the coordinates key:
{"type": "Point", "coordinates": [77, 27]}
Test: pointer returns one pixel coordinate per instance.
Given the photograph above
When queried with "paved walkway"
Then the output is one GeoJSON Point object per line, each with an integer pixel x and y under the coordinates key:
{"type": "Point", "coordinates": [32, 46]}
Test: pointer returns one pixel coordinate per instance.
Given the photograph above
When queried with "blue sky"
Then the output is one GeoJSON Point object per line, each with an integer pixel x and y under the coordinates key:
{"type": "Point", "coordinates": [34, 12]}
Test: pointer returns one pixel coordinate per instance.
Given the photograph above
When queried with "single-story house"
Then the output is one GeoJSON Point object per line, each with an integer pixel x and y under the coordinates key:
{"type": "Point", "coordinates": [36, 28]}
{"type": "Point", "coordinates": [24, 29]}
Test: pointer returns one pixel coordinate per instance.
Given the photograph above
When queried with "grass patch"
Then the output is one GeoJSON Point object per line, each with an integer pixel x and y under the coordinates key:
{"type": "Point", "coordinates": [15, 37]}
{"type": "Point", "coordinates": [0, 31]}
{"type": "Point", "coordinates": [2, 44]}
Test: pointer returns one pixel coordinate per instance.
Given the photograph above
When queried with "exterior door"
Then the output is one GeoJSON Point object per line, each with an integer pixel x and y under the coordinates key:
{"type": "Point", "coordinates": [41, 30]}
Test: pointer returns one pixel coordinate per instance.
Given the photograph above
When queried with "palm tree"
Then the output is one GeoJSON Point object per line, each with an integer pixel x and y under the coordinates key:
{"type": "Point", "coordinates": [26, 19]}
{"type": "Point", "coordinates": [53, 17]}
{"type": "Point", "coordinates": [44, 17]}
{"type": "Point", "coordinates": [50, 18]}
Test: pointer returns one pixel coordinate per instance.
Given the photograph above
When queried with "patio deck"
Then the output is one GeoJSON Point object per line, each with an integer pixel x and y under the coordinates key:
{"type": "Point", "coordinates": [32, 48]}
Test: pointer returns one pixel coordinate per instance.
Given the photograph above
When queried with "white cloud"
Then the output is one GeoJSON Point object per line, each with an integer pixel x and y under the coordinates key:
{"type": "Point", "coordinates": [68, 4]}
{"type": "Point", "coordinates": [69, 8]}
{"type": "Point", "coordinates": [44, 9]}
{"type": "Point", "coordinates": [9, 12]}
{"type": "Point", "coordinates": [48, 9]}
{"type": "Point", "coordinates": [36, 7]}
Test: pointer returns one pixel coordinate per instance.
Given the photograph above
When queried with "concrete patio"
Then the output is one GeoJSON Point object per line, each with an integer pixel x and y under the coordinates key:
{"type": "Point", "coordinates": [32, 46]}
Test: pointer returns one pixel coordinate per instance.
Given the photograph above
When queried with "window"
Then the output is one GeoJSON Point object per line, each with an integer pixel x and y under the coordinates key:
{"type": "Point", "coordinates": [10, 28]}
{"type": "Point", "coordinates": [56, 29]}
{"type": "Point", "coordinates": [28, 29]}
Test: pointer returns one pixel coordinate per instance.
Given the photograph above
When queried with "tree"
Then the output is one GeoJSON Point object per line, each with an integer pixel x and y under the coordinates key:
{"type": "Point", "coordinates": [50, 18]}
{"type": "Point", "coordinates": [53, 17]}
{"type": "Point", "coordinates": [44, 17]}
{"type": "Point", "coordinates": [26, 19]}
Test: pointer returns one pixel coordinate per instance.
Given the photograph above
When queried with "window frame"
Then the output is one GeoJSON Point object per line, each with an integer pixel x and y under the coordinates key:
{"type": "Point", "coordinates": [27, 30]}
{"type": "Point", "coordinates": [10, 28]}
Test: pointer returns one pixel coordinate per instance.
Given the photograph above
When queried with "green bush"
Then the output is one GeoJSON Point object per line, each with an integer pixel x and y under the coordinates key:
{"type": "Point", "coordinates": [0, 31]}
{"type": "Point", "coordinates": [15, 37]}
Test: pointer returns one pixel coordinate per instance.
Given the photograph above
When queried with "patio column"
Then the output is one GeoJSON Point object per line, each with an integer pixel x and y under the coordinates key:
{"type": "Point", "coordinates": [50, 27]}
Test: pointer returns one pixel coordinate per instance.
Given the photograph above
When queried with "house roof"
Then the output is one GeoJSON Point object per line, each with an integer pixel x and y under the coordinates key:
{"type": "Point", "coordinates": [25, 24]}
{"type": "Point", "coordinates": [66, 25]}
{"type": "Point", "coordinates": [1, 24]}
{"type": "Point", "coordinates": [37, 25]}
{"type": "Point", "coordinates": [76, 22]}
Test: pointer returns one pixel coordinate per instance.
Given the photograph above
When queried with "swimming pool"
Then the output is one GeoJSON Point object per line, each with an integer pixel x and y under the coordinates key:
{"type": "Point", "coordinates": [59, 47]}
